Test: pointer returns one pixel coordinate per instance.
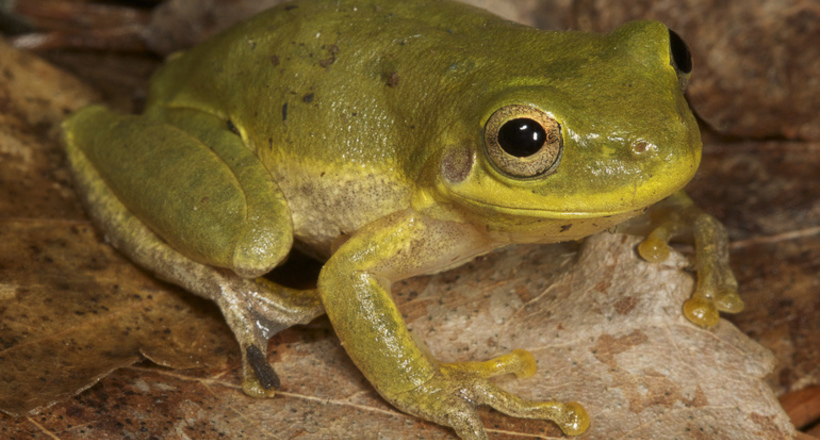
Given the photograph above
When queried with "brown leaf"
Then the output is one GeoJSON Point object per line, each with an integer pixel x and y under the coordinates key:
{"type": "Point", "coordinates": [73, 311]}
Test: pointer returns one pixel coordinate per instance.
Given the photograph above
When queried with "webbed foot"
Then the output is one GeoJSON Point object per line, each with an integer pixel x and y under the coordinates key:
{"type": "Point", "coordinates": [453, 394]}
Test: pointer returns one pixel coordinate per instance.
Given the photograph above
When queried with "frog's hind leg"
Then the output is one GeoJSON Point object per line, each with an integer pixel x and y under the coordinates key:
{"type": "Point", "coordinates": [254, 310]}
{"type": "Point", "coordinates": [192, 180]}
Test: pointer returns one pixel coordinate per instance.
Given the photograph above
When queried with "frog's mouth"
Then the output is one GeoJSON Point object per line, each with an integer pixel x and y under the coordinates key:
{"type": "Point", "coordinates": [539, 213]}
{"type": "Point", "coordinates": [527, 225]}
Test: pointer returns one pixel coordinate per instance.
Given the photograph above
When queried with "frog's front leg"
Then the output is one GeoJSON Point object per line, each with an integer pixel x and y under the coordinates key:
{"type": "Point", "coordinates": [355, 289]}
{"type": "Point", "coordinates": [97, 139]}
{"type": "Point", "coordinates": [716, 289]}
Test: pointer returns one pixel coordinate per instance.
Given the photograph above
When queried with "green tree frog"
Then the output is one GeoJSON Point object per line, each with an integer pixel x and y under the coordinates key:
{"type": "Point", "coordinates": [392, 139]}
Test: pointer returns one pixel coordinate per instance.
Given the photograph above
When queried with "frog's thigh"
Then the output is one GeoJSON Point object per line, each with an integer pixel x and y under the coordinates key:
{"type": "Point", "coordinates": [203, 192]}
{"type": "Point", "coordinates": [255, 311]}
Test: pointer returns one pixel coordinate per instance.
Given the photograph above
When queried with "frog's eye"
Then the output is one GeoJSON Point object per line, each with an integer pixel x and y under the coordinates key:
{"type": "Point", "coordinates": [681, 59]}
{"type": "Point", "coordinates": [523, 141]}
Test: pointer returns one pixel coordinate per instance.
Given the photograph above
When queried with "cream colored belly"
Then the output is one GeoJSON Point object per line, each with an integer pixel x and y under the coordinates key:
{"type": "Point", "coordinates": [329, 207]}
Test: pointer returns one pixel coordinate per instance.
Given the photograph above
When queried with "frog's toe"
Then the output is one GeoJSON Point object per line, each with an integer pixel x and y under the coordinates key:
{"type": "Point", "coordinates": [571, 417]}
{"type": "Point", "coordinates": [264, 380]}
{"type": "Point", "coordinates": [252, 386]}
{"type": "Point", "coordinates": [704, 307]}
{"type": "Point", "coordinates": [701, 311]}
{"type": "Point", "coordinates": [727, 300]}
{"type": "Point", "coordinates": [577, 420]}
{"type": "Point", "coordinates": [258, 376]}
{"type": "Point", "coordinates": [467, 424]}
{"type": "Point", "coordinates": [654, 249]}
{"type": "Point", "coordinates": [518, 362]}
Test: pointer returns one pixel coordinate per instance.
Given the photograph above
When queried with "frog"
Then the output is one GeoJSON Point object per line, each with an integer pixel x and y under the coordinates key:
{"type": "Point", "coordinates": [390, 140]}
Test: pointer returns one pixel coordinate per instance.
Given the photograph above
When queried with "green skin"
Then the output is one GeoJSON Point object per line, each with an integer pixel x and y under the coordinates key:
{"type": "Point", "coordinates": [356, 130]}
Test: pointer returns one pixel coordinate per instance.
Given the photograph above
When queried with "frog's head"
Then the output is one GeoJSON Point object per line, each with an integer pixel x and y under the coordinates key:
{"type": "Point", "coordinates": [596, 134]}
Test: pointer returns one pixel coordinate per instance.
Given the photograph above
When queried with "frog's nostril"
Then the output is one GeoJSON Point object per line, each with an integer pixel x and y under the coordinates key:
{"type": "Point", "coordinates": [643, 147]}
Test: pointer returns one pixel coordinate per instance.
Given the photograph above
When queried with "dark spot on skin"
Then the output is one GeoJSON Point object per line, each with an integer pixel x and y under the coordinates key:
{"type": "Point", "coordinates": [322, 175]}
{"type": "Point", "coordinates": [270, 143]}
{"type": "Point", "coordinates": [233, 128]}
{"type": "Point", "coordinates": [333, 50]}
{"type": "Point", "coordinates": [291, 7]}
{"type": "Point", "coordinates": [204, 199]}
{"type": "Point", "coordinates": [393, 79]}
{"type": "Point", "coordinates": [274, 60]}
{"type": "Point", "coordinates": [285, 112]}
{"type": "Point", "coordinates": [565, 228]}
{"type": "Point", "coordinates": [264, 372]}
{"type": "Point", "coordinates": [354, 114]}
{"type": "Point", "coordinates": [307, 99]}
{"type": "Point", "coordinates": [412, 127]}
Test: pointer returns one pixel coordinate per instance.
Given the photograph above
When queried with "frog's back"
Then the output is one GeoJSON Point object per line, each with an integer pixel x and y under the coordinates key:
{"type": "Point", "coordinates": [333, 98]}
{"type": "Point", "coordinates": [327, 80]}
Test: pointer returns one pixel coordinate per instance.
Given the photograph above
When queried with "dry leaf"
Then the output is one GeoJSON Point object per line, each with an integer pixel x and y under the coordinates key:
{"type": "Point", "coordinates": [71, 310]}
{"type": "Point", "coordinates": [71, 315]}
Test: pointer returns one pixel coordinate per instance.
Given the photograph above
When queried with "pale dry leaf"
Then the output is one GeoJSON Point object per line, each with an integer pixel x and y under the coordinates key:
{"type": "Point", "coordinates": [608, 333]}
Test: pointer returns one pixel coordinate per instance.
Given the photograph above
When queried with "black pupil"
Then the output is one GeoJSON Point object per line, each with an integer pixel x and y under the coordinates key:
{"type": "Point", "coordinates": [680, 53]}
{"type": "Point", "coordinates": [521, 137]}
